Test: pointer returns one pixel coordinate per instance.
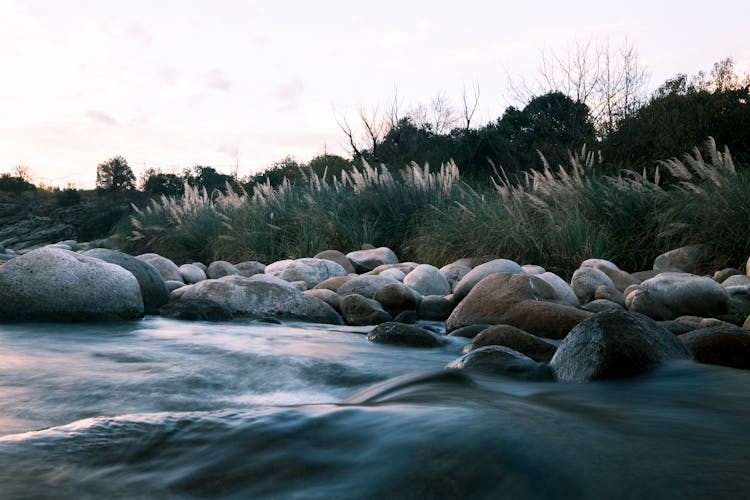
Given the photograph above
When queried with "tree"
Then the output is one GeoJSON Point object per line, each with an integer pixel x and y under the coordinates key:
{"type": "Point", "coordinates": [114, 175]}
{"type": "Point", "coordinates": [156, 182]}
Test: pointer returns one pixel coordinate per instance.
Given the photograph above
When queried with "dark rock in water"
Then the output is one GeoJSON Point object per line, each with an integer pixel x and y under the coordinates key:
{"type": "Point", "coordinates": [402, 334]}
{"type": "Point", "coordinates": [360, 311]}
{"type": "Point", "coordinates": [504, 361]}
{"type": "Point", "coordinates": [470, 331]}
{"type": "Point", "coordinates": [544, 319]}
{"type": "Point", "coordinates": [154, 290]}
{"type": "Point", "coordinates": [196, 310]}
{"type": "Point", "coordinates": [615, 344]}
{"type": "Point", "coordinates": [725, 346]}
{"type": "Point", "coordinates": [407, 317]}
{"type": "Point", "coordinates": [328, 296]}
{"type": "Point", "coordinates": [397, 297]}
{"type": "Point", "coordinates": [435, 308]}
{"type": "Point", "coordinates": [513, 338]}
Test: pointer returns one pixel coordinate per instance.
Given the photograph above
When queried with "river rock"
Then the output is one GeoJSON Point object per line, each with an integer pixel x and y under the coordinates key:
{"type": "Point", "coordinates": [502, 360]}
{"type": "Point", "coordinates": [407, 317]}
{"type": "Point", "coordinates": [455, 271]}
{"type": "Point", "coordinates": [333, 284]}
{"type": "Point", "coordinates": [721, 275]}
{"type": "Point", "coordinates": [470, 331]}
{"type": "Point", "coordinates": [428, 280]}
{"type": "Point", "coordinates": [544, 319]}
{"type": "Point", "coordinates": [404, 267]}
{"type": "Point", "coordinates": [611, 294]}
{"type": "Point", "coordinates": [167, 268]}
{"type": "Point", "coordinates": [562, 288]}
{"type": "Point", "coordinates": [737, 280]}
{"type": "Point", "coordinates": [220, 268]}
{"type": "Point", "coordinates": [154, 290]}
{"type": "Point", "coordinates": [173, 285]}
{"type": "Point", "coordinates": [311, 271]}
{"type": "Point", "coordinates": [396, 274]}
{"type": "Point", "coordinates": [435, 308]}
{"type": "Point", "coordinates": [250, 268]}
{"type": "Point", "coordinates": [491, 298]}
{"type": "Point", "coordinates": [360, 311]}
{"type": "Point", "coordinates": [397, 297]}
{"type": "Point", "coordinates": [600, 264]}
{"type": "Point", "coordinates": [739, 300]}
{"type": "Point", "coordinates": [601, 305]}
{"type": "Point", "coordinates": [480, 272]}
{"type": "Point", "coordinates": [51, 284]}
{"type": "Point", "coordinates": [196, 310]}
{"type": "Point", "coordinates": [670, 295]}
{"type": "Point", "coordinates": [329, 297]}
{"type": "Point", "coordinates": [267, 278]}
{"type": "Point", "coordinates": [203, 267]}
{"type": "Point", "coordinates": [513, 338]}
{"type": "Point", "coordinates": [586, 280]}
{"type": "Point", "coordinates": [403, 334]}
{"type": "Point", "coordinates": [614, 344]}
{"type": "Point", "coordinates": [337, 257]}
{"type": "Point", "coordinates": [192, 274]}
{"type": "Point", "coordinates": [699, 322]}
{"type": "Point", "coordinates": [533, 269]}
{"type": "Point", "coordinates": [621, 279]}
{"type": "Point", "coordinates": [365, 285]}
{"type": "Point", "coordinates": [689, 259]}
{"type": "Point", "coordinates": [722, 345]}
{"type": "Point", "coordinates": [367, 260]}
{"type": "Point", "coordinates": [259, 299]}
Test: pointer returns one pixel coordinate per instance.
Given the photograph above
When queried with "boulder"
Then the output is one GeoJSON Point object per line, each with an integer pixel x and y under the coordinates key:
{"type": "Point", "coordinates": [544, 319]}
{"type": "Point", "coordinates": [365, 285]}
{"type": "Point", "coordinates": [739, 300]}
{"type": "Point", "coordinates": [407, 317]}
{"type": "Point", "coordinates": [154, 291]}
{"type": "Point", "coordinates": [428, 280]}
{"type": "Point", "coordinates": [434, 308]}
{"type": "Point", "coordinates": [266, 278]}
{"type": "Point", "coordinates": [621, 279]}
{"type": "Point", "coordinates": [403, 334]}
{"type": "Point", "coordinates": [203, 267]}
{"type": "Point", "coordinates": [397, 297]}
{"type": "Point", "coordinates": [455, 271]}
{"type": "Point", "coordinates": [611, 294]}
{"type": "Point", "coordinates": [533, 269]}
{"type": "Point", "coordinates": [480, 272]}
{"type": "Point", "coordinates": [404, 267]}
{"type": "Point", "coordinates": [337, 257]}
{"type": "Point", "coordinates": [396, 274]}
{"type": "Point", "coordinates": [196, 310]}
{"type": "Point", "coordinates": [670, 295]}
{"type": "Point", "coordinates": [562, 288]}
{"type": "Point", "coordinates": [192, 274]}
{"type": "Point", "coordinates": [329, 297]}
{"type": "Point", "coordinates": [360, 311]}
{"type": "Point", "coordinates": [167, 268]}
{"type": "Point", "coordinates": [259, 299]}
{"type": "Point", "coordinates": [689, 259]}
{"type": "Point", "coordinates": [220, 268]}
{"type": "Point", "coordinates": [721, 345]}
{"type": "Point", "coordinates": [311, 271]}
{"type": "Point", "coordinates": [250, 268]}
{"type": "Point", "coordinates": [333, 284]}
{"type": "Point", "coordinates": [586, 280]}
{"type": "Point", "coordinates": [614, 344]}
{"type": "Point", "coordinates": [491, 298]}
{"type": "Point", "coordinates": [52, 284]}
{"type": "Point", "coordinates": [501, 360]}
{"type": "Point", "coordinates": [600, 264]}
{"type": "Point", "coordinates": [601, 305]}
{"type": "Point", "coordinates": [469, 332]}
{"type": "Point", "coordinates": [513, 338]}
{"type": "Point", "coordinates": [173, 285]}
{"type": "Point", "coordinates": [723, 274]}
{"type": "Point", "coordinates": [737, 280]}
{"type": "Point", "coordinates": [367, 260]}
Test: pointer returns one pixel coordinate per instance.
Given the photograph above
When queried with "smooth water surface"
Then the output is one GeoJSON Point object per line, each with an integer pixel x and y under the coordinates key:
{"type": "Point", "coordinates": [169, 409]}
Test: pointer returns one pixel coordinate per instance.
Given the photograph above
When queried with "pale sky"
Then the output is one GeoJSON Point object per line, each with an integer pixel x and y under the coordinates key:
{"type": "Point", "coordinates": [172, 84]}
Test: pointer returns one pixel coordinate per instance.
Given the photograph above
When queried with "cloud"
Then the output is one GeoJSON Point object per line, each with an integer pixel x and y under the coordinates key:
{"type": "Point", "coordinates": [167, 75]}
{"type": "Point", "coordinates": [215, 80]}
{"type": "Point", "coordinates": [288, 95]}
{"type": "Point", "coordinates": [101, 117]}
{"type": "Point", "coordinates": [137, 31]}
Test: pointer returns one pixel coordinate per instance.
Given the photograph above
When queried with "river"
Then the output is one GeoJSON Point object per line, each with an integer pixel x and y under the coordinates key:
{"type": "Point", "coordinates": [167, 409]}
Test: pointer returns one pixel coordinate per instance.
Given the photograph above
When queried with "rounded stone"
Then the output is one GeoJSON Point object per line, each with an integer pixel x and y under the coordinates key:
{"type": "Point", "coordinates": [337, 257]}
{"type": "Point", "coordinates": [722, 345]}
{"type": "Point", "coordinates": [501, 360]}
{"type": "Point", "coordinates": [544, 319]}
{"type": "Point", "coordinates": [367, 260]}
{"type": "Point", "coordinates": [220, 268]}
{"type": "Point", "coordinates": [435, 308]}
{"type": "Point", "coordinates": [428, 280]}
{"type": "Point", "coordinates": [586, 280]}
{"type": "Point", "coordinates": [397, 297]}
{"type": "Point", "coordinates": [670, 295]}
{"type": "Point", "coordinates": [192, 274]}
{"type": "Point", "coordinates": [688, 259]}
{"type": "Point", "coordinates": [480, 272]}
{"type": "Point", "coordinates": [365, 285]}
{"type": "Point", "coordinates": [311, 271]}
{"type": "Point", "coordinates": [250, 268]}
{"type": "Point", "coordinates": [360, 311]}
{"type": "Point", "coordinates": [513, 338]}
{"type": "Point", "coordinates": [167, 268]}
{"type": "Point", "coordinates": [403, 334]}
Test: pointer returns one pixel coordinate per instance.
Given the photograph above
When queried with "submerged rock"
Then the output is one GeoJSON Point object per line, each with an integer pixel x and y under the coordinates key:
{"type": "Point", "coordinates": [403, 334]}
{"type": "Point", "coordinates": [721, 345]}
{"type": "Point", "coordinates": [360, 311]}
{"type": "Point", "coordinates": [513, 338]}
{"type": "Point", "coordinates": [502, 360]}
{"type": "Point", "coordinates": [614, 344]}
{"type": "Point", "coordinates": [196, 310]}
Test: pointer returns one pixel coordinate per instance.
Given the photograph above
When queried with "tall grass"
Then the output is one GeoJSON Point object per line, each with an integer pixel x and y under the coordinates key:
{"type": "Point", "coordinates": [555, 217]}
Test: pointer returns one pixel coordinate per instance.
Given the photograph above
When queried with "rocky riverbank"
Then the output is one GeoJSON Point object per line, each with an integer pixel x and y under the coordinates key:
{"type": "Point", "coordinates": [523, 321]}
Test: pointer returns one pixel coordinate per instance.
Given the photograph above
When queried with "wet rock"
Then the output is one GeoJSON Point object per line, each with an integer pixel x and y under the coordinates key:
{"type": "Point", "coordinates": [501, 360]}
{"type": "Point", "coordinates": [720, 345]}
{"type": "Point", "coordinates": [367, 260]}
{"type": "Point", "coordinates": [51, 284]}
{"type": "Point", "coordinates": [723, 274]}
{"type": "Point", "coordinates": [407, 317]}
{"type": "Point", "coordinates": [311, 271]}
{"type": "Point", "coordinates": [329, 297]}
{"type": "Point", "coordinates": [513, 338]}
{"type": "Point", "coordinates": [192, 274]}
{"type": "Point", "coordinates": [689, 259]}
{"type": "Point", "coordinates": [255, 298]}
{"type": "Point", "coordinates": [491, 298]}
{"type": "Point", "coordinates": [196, 310]}
{"type": "Point", "coordinates": [403, 334]}
{"type": "Point", "coordinates": [586, 280]}
{"type": "Point", "coordinates": [167, 268]}
{"type": "Point", "coordinates": [365, 285]}
{"type": "Point", "coordinates": [154, 291]}
{"type": "Point", "coordinates": [470, 331]}
{"type": "Point", "coordinates": [337, 257]}
{"type": "Point", "coordinates": [601, 305]}
{"type": "Point", "coordinates": [220, 268]}
{"type": "Point", "coordinates": [360, 311]}
{"type": "Point", "coordinates": [480, 272]}
{"type": "Point", "coordinates": [333, 284]}
{"type": "Point", "coordinates": [670, 295]}
{"type": "Point", "coordinates": [427, 280]}
{"type": "Point", "coordinates": [397, 297]}
{"type": "Point", "coordinates": [250, 268]}
{"type": "Point", "coordinates": [737, 280]}
{"type": "Point", "coordinates": [544, 319]}
{"type": "Point", "coordinates": [435, 308]}
{"type": "Point", "coordinates": [614, 344]}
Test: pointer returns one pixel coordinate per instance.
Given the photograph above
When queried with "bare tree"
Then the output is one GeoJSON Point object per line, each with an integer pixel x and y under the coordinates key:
{"type": "Point", "coordinates": [470, 104]}
{"type": "Point", "coordinates": [438, 116]}
{"type": "Point", "coordinates": [23, 172]}
{"type": "Point", "coordinates": [374, 126]}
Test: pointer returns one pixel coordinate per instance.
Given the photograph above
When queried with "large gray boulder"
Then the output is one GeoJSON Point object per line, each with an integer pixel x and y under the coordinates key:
{"type": "Point", "coordinates": [365, 285]}
{"type": "Point", "coordinates": [670, 295]}
{"type": "Point", "coordinates": [615, 344]}
{"type": "Point", "coordinates": [311, 271]}
{"type": "Point", "coordinates": [52, 284]}
{"type": "Point", "coordinates": [250, 268]}
{"type": "Point", "coordinates": [397, 297]}
{"type": "Point", "coordinates": [168, 269]}
{"type": "Point", "coordinates": [367, 260]}
{"type": "Point", "coordinates": [220, 268]}
{"type": "Point", "coordinates": [689, 259]}
{"type": "Point", "coordinates": [428, 280]}
{"type": "Point", "coordinates": [192, 273]}
{"type": "Point", "coordinates": [562, 288]}
{"type": "Point", "coordinates": [255, 298]}
{"type": "Point", "coordinates": [480, 272]}
{"type": "Point", "coordinates": [154, 290]}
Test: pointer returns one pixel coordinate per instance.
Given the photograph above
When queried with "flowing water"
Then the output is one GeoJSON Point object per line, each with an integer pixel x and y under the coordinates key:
{"type": "Point", "coordinates": [167, 409]}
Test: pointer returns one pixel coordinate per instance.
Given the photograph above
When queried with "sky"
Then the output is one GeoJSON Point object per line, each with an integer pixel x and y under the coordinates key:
{"type": "Point", "coordinates": [242, 84]}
